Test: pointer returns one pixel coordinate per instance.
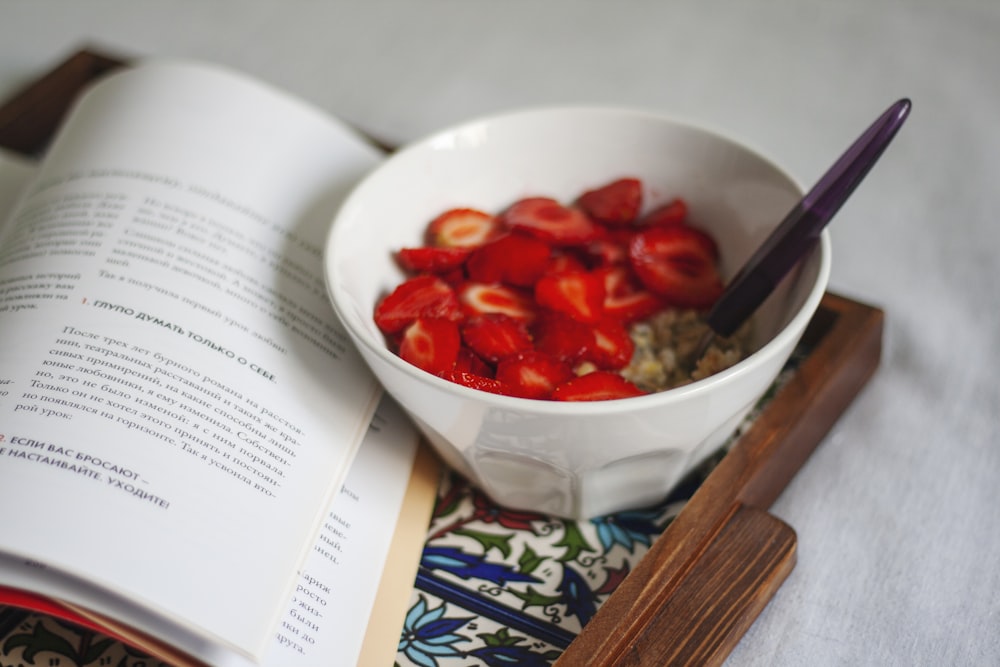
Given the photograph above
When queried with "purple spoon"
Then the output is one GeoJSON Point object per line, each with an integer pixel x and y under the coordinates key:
{"type": "Point", "coordinates": [801, 227]}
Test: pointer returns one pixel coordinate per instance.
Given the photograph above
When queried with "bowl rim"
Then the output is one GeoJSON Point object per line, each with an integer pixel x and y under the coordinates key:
{"type": "Point", "coordinates": [793, 328]}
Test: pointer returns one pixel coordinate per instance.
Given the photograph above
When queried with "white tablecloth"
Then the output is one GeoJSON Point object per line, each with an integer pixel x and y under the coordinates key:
{"type": "Point", "coordinates": [897, 512]}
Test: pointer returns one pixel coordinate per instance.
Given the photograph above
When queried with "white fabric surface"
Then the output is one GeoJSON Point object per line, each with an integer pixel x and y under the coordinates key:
{"type": "Point", "coordinates": [896, 513]}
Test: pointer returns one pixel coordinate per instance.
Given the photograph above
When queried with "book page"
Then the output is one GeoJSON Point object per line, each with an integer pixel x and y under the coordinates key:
{"type": "Point", "coordinates": [15, 174]}
{"type": "Point", "coordinates": [178, 404]}
{"type": "Point", "coordinates": [355, 556]}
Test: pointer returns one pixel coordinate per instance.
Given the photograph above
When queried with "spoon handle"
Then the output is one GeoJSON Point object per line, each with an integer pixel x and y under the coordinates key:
{"type": "Point", "coordinates": [801, 228]}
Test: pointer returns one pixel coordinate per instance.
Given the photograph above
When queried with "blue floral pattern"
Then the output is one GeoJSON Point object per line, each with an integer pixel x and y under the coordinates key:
{"type": "Point", "coordinates": [500, 587]}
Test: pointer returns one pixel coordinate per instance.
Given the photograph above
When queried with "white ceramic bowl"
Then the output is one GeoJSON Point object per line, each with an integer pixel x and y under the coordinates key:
{"type": "Point", "coordinates": [576, 460]}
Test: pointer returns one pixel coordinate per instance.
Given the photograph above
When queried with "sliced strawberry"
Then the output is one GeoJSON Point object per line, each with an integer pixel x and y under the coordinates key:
{"type": "Point", "coordinates": [481, 298]}
{"type": "Point", "coordinates": [562, 262]}
{"type": "Point", "coordinates": [550, 221]}
{"type": "Point", "coordinates": [625, 300]}
{"type": "Point", "coordinates": [462, 228]}
{"type": "Point", "coordinates": [469, 362]}
{"type": "Point", "coordinates": [618, 280]}
{"type": "Point", "coordinates": [616, 203]}
{"type": "Point", "coordinates": [494, 336]}
{"type": "Point", "coordinates": [431, 344]}
{"type": "Point", "coordinates": [455, 278]}
{"type": "Point", "coordinates": [633, 306]}
{"type": "Point", "coordinates": [533, 374]}
{"type": "Point", "coordinates": [513, 259]}
{"type": "Point", "coordinates": [575, 293]}
{"type": "Point", "coordinates": [423, 296]}
{"type": "Point", "coordinates": [674, 212]}
{"type": "Point", "coordinates": [474, 381]}
{"type": "Point", "coordinates": [596, 386]}
{"type": "Point", "coordinates": [613, 347]}
{"type": "Point", "coordinates": [430, 259]}
{"type": "Point", "coordinates": [563, 337]}
{"type": "Point", "coordinates": [607, 252]}
{"type": "Point", "coordinates": [678, 264]}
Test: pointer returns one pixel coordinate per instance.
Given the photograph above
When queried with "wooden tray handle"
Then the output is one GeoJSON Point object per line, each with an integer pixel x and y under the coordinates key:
{"type": "Point", "coordinates": [29, 119]}
{"type": "Point", "coordinates": [706, 614]}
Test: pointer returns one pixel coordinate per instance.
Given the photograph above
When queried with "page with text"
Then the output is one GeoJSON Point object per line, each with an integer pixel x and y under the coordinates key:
{"type": "Point", "coordinates": [341, 576]}
{"type": "Point", "coordinates": [178, 404]}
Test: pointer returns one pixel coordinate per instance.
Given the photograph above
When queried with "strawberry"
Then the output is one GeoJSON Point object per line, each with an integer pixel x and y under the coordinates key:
{"type": "Point", "coordinates": [632, 307]}
{"type": "Point", "coordinates": [674, 212]}
{"type": "Point", "coordinates": [607, 252]}
{"type": "Point", "coordinates": [431, 344]}
{"type": "Point", "coordinates": [533, 374]}
{"type": "Point", "coordinates": [517, 304]}
{"type": "Point", "coordinates": [596, 386]}
{"type": "Point", "coordinates": [561, 262]}
{"type": "Point", "coordinates": [575, 293]}
{"type": "Point", "coordinates": [678, 264]}
{"type": "Point", "coordinates": [422, 296]}
{"type": "Point", "coordinates": [613, 347]}
{"type": "Point", "coordinates": [462, 228]}
{"type": "Point", "coordinates": [480, 298]}
{"type": "Point", "coordinates": [513, 259]}
{"type": "Point", "coordinates": [469, 362]}
{"type": "Point", "coordinates": [550, 221]}
{"type": "Point", "coordinates": [432, 259]}
{"type": "Point", "coordinates": [479, 382]}
{"type": "Point", "coordinates": [563, 337]}
{"type": "Point", "coordinates": [494, 336]}
{"type": "Point", "coordinates": [616, 203]}
{"type": "Point", "coordinates": [624, 300]}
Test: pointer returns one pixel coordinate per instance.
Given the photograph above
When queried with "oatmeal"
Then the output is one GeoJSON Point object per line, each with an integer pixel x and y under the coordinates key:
{"type": "Point", "coordinates": [665, 347]}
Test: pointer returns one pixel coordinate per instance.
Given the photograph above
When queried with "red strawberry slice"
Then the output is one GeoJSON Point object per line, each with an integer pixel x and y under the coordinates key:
{"type": "Point", "coordinates": [550, 221]}
{"type": "Point", "coordinates": [481, 298]}
{"type": "Point", "coordinates": [607, 252]}
{"type": "Point", "coordinates": [596, 386]}
{"type": "Point", "coordinates": [674, 212]}
{"type": "Point", "coordinates": [428, 259]}
{"type": "Point", "coordinates": [423, 296]}
{"type": "Point", "coordinates": [469, 362]}
{"type": "Point", "coordinates": [624, 300]}
{"type": "Point", "coordinates": [616, 203]}
{"type": "Point", "coordinates": [431, 344]}
{"type": "Point", "coordinates": [575, 293]}
{"type": "Point", "coordinates": [678, 264]}
{"type": "Point", "coordinates": [633, 306]}
{"type": "Point", "coordinates": [533, 374]}
{"type": "Point", "coordinates": [462, 228]}
{"type": "Point", "coordinates": [514, 259]}
{"type": "Point", "coordinates": [479, 382]}
{"type": "Point", "coordinates": [494, 336]}
{"type": "Point", "coordinates": [613, 347]}
{"type": "Point", "coordinates": [563, 337]}
{"type": "Point", "coordinates": [562, 262]}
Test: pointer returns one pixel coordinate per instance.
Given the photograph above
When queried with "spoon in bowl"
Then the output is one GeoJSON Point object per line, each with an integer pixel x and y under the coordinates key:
{"type": "Point", "coordinates": [798, 232]}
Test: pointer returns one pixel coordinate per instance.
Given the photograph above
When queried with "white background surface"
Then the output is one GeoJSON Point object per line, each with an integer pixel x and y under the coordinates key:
{"type": "Point", "coordinates": [897, 512]}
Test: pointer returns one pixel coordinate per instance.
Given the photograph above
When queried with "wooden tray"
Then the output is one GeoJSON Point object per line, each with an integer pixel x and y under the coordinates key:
{"type": "Point", "coordinates": [708, 576]}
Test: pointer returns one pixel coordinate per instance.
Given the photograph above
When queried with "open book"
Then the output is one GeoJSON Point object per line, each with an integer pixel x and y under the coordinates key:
{"type": "Point", "coordinates": [179, 408]}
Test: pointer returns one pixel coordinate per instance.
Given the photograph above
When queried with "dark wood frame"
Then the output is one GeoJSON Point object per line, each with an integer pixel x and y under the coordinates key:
{"type": "Point", "coordinates": [709, 575]}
